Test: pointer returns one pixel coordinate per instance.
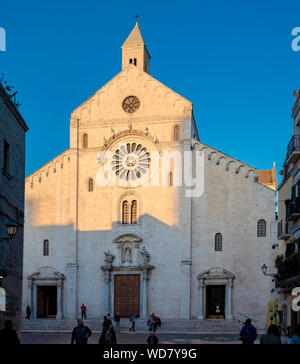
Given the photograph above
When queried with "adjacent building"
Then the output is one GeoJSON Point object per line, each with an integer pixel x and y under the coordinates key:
{"type": "Point", "coordinates": [288, 259]}
{"type": "Point", "coordinates": [12, 174]}
{"type": "Point", "coordinates": [148, 247]}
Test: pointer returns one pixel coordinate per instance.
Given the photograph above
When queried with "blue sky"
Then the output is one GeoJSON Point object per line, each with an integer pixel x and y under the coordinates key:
{"type": "Point", "coordinates": [232, 59]}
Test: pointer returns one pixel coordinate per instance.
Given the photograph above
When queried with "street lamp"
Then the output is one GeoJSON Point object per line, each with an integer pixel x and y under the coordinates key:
{"type": "Point", "coordinates": [11, 229]}
{"type": "Point", "coordinates": [264, 269]}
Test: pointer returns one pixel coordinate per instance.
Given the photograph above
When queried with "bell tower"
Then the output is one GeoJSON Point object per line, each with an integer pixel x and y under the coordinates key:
{"type": "Point", "coordinates": [134, 51]}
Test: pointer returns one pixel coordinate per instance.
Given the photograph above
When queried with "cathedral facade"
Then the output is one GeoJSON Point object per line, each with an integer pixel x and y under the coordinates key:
{"type": "Point", "coordinates": [108, 224]}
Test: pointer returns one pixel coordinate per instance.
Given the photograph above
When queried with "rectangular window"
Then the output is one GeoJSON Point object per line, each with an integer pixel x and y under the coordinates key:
{"type": "Point", "coordinates": [6, 156]}
{"type": "Point", "coordinates": [135, 61]}
{"type": "Point", "coordinates": [130, 61]}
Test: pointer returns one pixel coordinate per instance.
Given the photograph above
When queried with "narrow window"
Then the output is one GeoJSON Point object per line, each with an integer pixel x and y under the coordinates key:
{"type": "Point", "coordinates": [91, 185]}
{"type": "Point", "coordinates": [130, 61]}
{"type": "Point", "coordinates": [261, 229]}
{"type": "Point", "coordinates": [218, 243]}
{"type": "Point", "coordinates": [6, 156]}
{"type": "Point", "coordinates": [134, 212]}
{"type": "Point", "coordinates": [135, 61]}
{"type": "Point", "coordinates": [46, 248]}
{"type": "Point", "coordinates": [176, 133]}
{"type": "Point", "coordinates": [85, 141]}
{"type": "Point", "coordinates": [170, 179]}
{"type": "Point", "coordinates": [125, 212]}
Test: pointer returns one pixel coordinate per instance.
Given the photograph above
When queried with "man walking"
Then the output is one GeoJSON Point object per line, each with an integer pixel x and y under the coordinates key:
{"type": "Point", "coordinates": [83, 311]}
{"type": "Point", "coordinates": [132, 320]}
{"type": "Point", "coordinates": [117, 319]}
{"type": "Point", "coordinates": [80, 334]}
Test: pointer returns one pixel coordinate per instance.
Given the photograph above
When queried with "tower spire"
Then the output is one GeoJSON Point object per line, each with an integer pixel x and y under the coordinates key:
{"type": "Point", "coordinates": [134, 50]}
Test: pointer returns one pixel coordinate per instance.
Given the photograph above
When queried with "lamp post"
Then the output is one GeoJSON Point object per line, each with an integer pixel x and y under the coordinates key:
{"type": "Point", "coordinates": [11, 229]}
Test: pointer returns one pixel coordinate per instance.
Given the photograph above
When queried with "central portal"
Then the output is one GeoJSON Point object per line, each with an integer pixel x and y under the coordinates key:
{"type": "Point", "coordinates": [127, 295]}
{"type": "Point", "coordinates": [215, 302]}
{"type": "Point", "coordinates": [46, 301]}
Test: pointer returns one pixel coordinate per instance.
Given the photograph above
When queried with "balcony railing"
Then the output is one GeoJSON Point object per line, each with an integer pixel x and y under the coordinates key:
{"type": "Point", "coordinates": [293, 147]}
{"type": "Point", "coordinates": [290, 268]}
{"type": "Point", "coordinates": [283, 230]}
{"type": "Point", "coordinates": [293, 209]}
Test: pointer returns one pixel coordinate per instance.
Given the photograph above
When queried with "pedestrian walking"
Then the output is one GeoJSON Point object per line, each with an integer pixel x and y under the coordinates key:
{"type": "Point", "coordinates": [272, 337]}
{"type": "Point", "coordinates": [8, 335]}
{"type": "Point", "coordinates": [150, 323]}
{"type": "Point", "coordinates": [117, 319]}
{"type": "Point", "coordinates": [80, 334]}
{"type": "Point", "coordinates": [109, 322]}
{"type": "Point", "coordinates": [83, 311]}
{"type": "Point", "coordinates": [158, 321]}
{"type": "Point", "coordinates": [108, 336]}
{"type": "Point", "coordinates": [132, 320]}
{"type": "Point", "coordinates": [154, 322]}
{"type": "Point", "coordinates": [152, 339]}
{"type": "Point", "coordinates": [248, 333]}
{"type": "Point", "coordinates": [28, 312]}
{"type": "Point", "coordinates": [296, 336]}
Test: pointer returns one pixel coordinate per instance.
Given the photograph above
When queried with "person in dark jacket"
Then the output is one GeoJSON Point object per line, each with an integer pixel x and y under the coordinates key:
{"type": "Point", "coordinates": [81, 334]}
{"type": "Point", "coordinates": [8, 335]}
{"type": "Point", "coordinates": [152, 339]}
{"type": "Point", "coordinates": [28, 312]}
{"type": "Point", "coordinates": [108, 336]}
{"type": "Point", "coordinates": [248, 333]}
{"type": "Point", "coordinates": [117, 319]}
{"type": "Point", "coordinates": [272, 337]}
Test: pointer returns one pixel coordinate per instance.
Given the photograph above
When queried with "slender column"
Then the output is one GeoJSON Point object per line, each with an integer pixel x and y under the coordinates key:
{"type": "Point", "coordinates": [34, 299]}
{"type": "Point", "coordinates": [107, 292]}
{"type": "Point", "coordinates": [59, 300]}
{"type": "Point", "coordinates": [201, 302]}
{"type": "Point", "coordinates": [229, 301]}
{"type": "Point", "coordinates": [71, 290]}
{"type": "Point", "coordinates": [144, 292]}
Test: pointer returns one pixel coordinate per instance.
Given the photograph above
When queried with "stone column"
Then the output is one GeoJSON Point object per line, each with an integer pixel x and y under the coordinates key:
{"type": "Point", "coordinates": [201, 301]}
{"type": "Point", "coordinates": [59, 300]}
{"type": "Point", "coordinates": [229, 301]}
{"type": "Point", "coordinates": [144, 294]}
{"type": "Point", "coordinates": [185, 294]}
{"type": "Point", "coordinates": [107, 291]}
{"type": "Point", "coordinates": [34, 300]}
{"type": "Point", "coordinates": [72, 290]}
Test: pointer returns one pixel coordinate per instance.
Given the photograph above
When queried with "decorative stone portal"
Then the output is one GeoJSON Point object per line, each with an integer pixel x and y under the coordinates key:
{"type": "Point", "coordinates": [46, 293]}
{"type": "Point", "coordinates": [215, 294]}
{"type": "Point", "coordinates": [126, 281]}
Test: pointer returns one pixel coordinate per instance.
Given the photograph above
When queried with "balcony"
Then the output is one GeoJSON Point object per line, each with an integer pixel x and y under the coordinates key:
{"type": "Point", "coordinates": [293, 151]}
{"type": "Point", "coordinates": [289, 270]}
{"type": "Point", "coordinates": [283, 230]}
{"type": "Point", "coordinates": [293, 209]}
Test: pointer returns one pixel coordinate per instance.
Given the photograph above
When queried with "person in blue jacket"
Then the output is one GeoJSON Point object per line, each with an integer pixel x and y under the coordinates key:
{"type": "Point", "coordinates": [248, 334]}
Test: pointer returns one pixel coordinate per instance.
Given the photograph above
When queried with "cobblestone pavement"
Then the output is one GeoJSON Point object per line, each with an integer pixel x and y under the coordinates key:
{"type": "Point", "coordinates": [137, 338]}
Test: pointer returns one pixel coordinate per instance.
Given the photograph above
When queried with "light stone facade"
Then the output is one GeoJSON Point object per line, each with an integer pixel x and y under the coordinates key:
{"type": "Point", "coordinates": [172, 244]}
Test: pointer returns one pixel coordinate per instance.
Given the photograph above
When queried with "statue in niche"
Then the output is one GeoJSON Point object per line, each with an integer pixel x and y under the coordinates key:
{"type": "Point", "coordinates": [127, 255]}
{"type": "Point", "coordinates": [108, 258]}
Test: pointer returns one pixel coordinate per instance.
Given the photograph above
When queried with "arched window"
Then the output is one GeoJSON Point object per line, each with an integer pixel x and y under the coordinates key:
{"type": "Point", "coordinates": [170, 179]}
{"type": "Point", "coordinates": [85, 141]}
{"type": "Point", "coordinates": [218, 242]}
{"type": "Point", "coordinates": [134, 212]}
{"type": "Point", "coordinates": [46, 248]}
{"type": "Point", "coordinates": [91, 185]}
{"type": "Point", "coordinates": [261, 229]}
{"type": "Point", "coordinates": [2, 299]}
{"type": "Point", "coordinates": [176, 133]}
{"type": "Point", "coordinates": [125, 212]}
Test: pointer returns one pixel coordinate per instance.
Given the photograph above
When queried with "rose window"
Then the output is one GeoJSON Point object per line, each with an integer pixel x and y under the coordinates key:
{"type": "Point", "coordinates": [131, 161]}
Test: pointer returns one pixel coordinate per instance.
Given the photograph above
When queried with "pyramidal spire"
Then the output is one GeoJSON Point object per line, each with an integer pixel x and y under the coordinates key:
{"type": "Point", "coordinates": [134, 51]}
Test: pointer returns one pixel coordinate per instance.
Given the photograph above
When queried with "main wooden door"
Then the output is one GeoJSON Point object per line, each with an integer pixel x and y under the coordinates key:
{"type": "Point", "coordinates": [127, 295]}
{"type": "Point", "coordinates": [46, 301]}
{"type": "Point", "coordinates": [215, 302]}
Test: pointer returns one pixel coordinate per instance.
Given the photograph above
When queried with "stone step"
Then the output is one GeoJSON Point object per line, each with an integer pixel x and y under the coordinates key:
{"type": "Point", "coordinates": [167, 325]}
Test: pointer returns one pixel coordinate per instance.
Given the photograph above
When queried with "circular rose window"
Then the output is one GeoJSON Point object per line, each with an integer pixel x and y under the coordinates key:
{"type": "Point", "coordinates": [131, 104]}
{"type": "Point", "coordinates": [131, 161]}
